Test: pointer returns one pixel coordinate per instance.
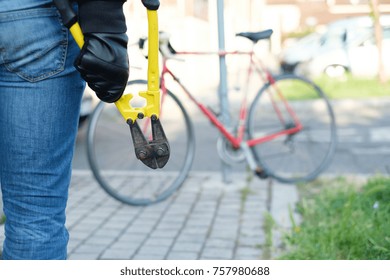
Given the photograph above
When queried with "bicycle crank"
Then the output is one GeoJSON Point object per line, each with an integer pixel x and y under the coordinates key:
{"type": "Point", "coordinates": [227, 153]}
{"type": "Point", "coordinates": [154, 153]}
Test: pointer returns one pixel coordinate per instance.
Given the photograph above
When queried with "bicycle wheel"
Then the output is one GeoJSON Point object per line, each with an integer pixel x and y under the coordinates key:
{"type": "Point", "coordinates": [113, 161]}
{"type": "Point", "coordinates": [296, 157]}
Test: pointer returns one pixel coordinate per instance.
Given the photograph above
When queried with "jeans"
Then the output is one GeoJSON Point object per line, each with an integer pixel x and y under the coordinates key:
{"type": "Point", "coordinates": [40, 95]}
{"type": "Point", "coordinates": [17, 5]}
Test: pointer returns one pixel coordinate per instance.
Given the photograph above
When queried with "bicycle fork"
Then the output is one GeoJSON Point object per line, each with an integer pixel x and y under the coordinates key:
{"type": "Point", "coordinates": [154, 153]}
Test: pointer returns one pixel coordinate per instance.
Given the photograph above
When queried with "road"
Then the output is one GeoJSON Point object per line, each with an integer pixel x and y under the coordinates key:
{"type": "Point", "coordinates": [363, 140]}
{"type": "Point", "coordinates": [364, 137]}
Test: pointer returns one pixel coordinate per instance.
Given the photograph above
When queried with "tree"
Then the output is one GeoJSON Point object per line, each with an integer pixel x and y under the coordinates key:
{"type": "Point", "coordinates": [378, 37]}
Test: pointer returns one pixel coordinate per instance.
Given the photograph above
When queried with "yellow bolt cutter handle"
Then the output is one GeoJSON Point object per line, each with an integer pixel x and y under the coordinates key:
{"type": "Point", "coordinates": [152, 94]}
{"type": "Point", "coordinates": [77, 34]}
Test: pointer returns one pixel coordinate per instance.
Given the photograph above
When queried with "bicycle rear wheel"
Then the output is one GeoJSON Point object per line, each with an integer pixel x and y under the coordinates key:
{"type": "Point", "coordinates": [113, 161]}
{"type": "Point", "coordinates": [296, 157]}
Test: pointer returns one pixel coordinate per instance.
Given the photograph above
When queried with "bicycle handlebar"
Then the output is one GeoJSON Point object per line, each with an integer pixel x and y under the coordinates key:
{"type": "Point", "coordinates": [164, 46]}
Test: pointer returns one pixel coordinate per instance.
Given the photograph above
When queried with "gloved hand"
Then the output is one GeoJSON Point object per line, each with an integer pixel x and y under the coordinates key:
{"type": "Point", "coordinates": [103, 60]}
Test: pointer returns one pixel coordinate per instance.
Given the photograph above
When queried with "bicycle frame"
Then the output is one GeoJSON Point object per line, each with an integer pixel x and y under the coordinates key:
{"type": "Point", "coordinates": [289, 159]}
{"type": "Point", "coordinates": [255, 65]}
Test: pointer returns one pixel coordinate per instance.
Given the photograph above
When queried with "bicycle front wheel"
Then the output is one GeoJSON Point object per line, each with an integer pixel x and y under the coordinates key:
{"type": "Point", "coordinates": [113, 161]}
{"type": "Point", "coordinates": [278, 107]}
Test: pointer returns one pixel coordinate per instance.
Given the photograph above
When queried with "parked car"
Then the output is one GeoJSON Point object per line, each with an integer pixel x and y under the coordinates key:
{"type": "Point", "coordinates": [346, 45]}
{"type": "Point", "coordinates": [300, 51]}
{"type": "Point", "coordinates": [358, 57]}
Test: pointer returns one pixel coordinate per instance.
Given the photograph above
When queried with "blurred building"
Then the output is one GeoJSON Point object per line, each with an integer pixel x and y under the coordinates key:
{"type": "Point", "coordinates": [296, 12]}
{"type": "Point", "coordinates": [283, 16]}
{"type": "Point", "coordinates": [319, 12]}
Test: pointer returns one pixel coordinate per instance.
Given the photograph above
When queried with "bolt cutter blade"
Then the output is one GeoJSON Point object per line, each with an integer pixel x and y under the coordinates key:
{"type": "Point", "coordinates": [160, 143]}
{"type": "Point", "coordinates": [155, 153]}
{"type": "Point", "coordinates": [143, 151]}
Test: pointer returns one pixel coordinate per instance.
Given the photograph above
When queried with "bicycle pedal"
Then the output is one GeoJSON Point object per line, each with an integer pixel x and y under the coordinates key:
{"type": "Point", "coordinates": [261, 173]}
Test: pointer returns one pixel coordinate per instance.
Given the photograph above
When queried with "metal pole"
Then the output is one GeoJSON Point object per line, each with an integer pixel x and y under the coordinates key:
{"type": "Point", "coordinates": [223, 97]}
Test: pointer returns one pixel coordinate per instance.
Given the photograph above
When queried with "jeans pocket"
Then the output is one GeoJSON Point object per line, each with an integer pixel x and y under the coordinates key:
{"type": "Point", "coordinates": [33, 43]}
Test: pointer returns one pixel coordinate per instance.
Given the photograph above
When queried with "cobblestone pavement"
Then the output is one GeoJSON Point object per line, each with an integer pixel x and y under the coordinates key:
{"type": "Point", "coordinates": [205, 219]}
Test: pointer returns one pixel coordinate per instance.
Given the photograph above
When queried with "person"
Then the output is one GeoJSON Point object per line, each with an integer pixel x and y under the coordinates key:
{"type": "Point", "coordinates": [40, 94]}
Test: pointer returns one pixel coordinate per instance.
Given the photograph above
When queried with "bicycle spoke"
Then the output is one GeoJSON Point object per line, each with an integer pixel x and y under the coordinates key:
{"type": "Point", "coordinates": [305, 153]}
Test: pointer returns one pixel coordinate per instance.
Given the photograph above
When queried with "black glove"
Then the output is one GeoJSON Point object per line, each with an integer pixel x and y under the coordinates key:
{"type": "Point", "coordinates": [103, 60]}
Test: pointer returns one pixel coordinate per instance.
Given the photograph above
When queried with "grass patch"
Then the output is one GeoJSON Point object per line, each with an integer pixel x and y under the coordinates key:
{"type": "Point", "coordinates": [246, 190]}
{"type": "Point", "coordinates": [269, 225]}
{"type": "Point", "coordinates": [339, 88]}
{"type": "Point", "coordinates": [353, 87]}
{"type": "Point", "coordinates": [342, 220]}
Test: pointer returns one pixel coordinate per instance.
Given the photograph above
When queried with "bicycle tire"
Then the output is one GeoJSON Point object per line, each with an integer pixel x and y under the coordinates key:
{"type": "Point", "coordinates": [300, 157]}
{"type": "Point", "coordinates": [114, 164]}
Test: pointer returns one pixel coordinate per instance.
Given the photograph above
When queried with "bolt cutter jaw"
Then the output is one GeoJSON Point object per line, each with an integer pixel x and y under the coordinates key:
{"type": "Point", "coordinates": [159, 143]}
{"type": "Point", "coordinates": [154, 153]}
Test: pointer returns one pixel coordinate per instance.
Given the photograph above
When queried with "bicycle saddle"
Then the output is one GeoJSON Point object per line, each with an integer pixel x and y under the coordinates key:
{"type": "Point", "coordinates": [256, 36]}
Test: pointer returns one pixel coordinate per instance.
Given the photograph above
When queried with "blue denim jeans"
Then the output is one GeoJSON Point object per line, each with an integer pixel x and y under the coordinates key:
{"type": "Point", "coordinates": [40, 95]}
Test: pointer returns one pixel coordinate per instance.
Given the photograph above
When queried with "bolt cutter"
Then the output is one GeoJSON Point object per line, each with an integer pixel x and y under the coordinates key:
{"type": "Point", "coordinates": [154, 153]}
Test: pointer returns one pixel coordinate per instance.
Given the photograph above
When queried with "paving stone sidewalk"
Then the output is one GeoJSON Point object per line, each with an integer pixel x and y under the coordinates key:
{"type": "Point", "coordinates": [205, 219]}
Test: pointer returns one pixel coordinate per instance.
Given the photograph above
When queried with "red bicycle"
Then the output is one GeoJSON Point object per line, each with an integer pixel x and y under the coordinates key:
{"type": "Point", "coordinates": [287, 131]}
